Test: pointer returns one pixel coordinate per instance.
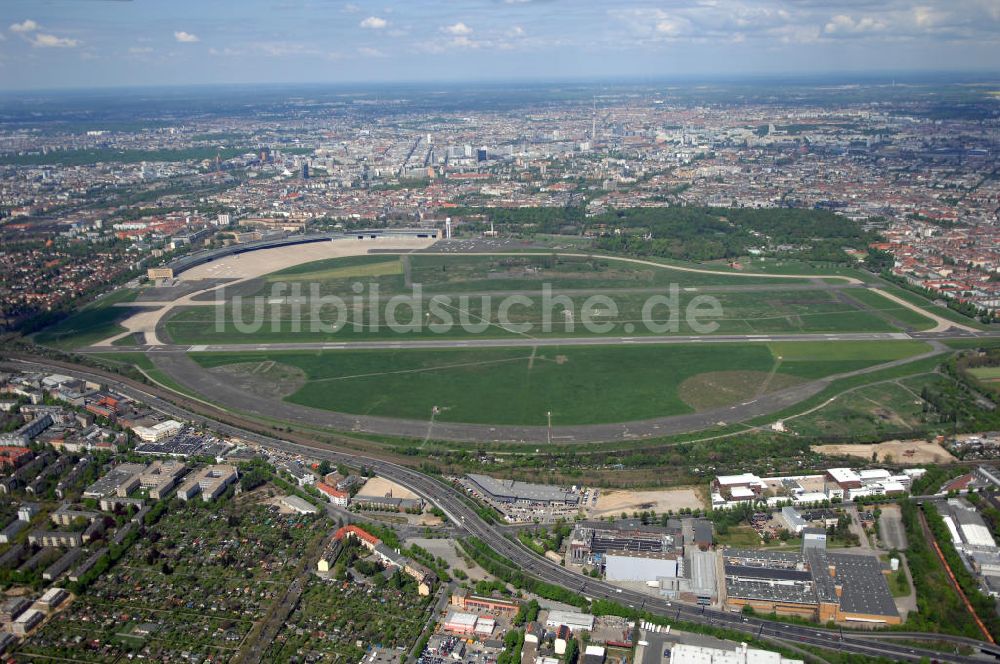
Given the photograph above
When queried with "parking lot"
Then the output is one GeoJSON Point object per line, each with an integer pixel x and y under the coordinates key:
{"type": "Point", "coordinates": [891, 528]}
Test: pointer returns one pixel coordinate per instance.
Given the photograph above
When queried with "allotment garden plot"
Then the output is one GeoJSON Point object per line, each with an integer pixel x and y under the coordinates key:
{"type": "Point", "coordinates": [195, 585]}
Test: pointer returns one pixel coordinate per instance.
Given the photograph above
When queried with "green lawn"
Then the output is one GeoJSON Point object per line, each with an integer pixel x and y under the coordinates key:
{"type": "Point", "coordinates": [986, 373]}
{"type": "Point", "coordinates": [464, 314]}
{"type": "Point", "coordinates": [94, 322]}
{"type": "Point", "coordinates": [867, 413]}
{"type": "Point", "coordinates": [924, 303]}
{"type": "Point", "coordinates": [578, 385]}
{"type": "Point", "coordinates": [891, 309]}
{"type": "Point", "coordinates": [756, 265]}
{"type": "Point", "coordinates": [487, 272]}
{"type": "Point", "coordinates": [800, 358]}
{"type": "Point", "coordinates": [740, 537]}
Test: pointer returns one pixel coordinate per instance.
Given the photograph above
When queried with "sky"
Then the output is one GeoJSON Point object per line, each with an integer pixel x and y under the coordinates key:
{"type": "Point", "coordinates": [100, 43]}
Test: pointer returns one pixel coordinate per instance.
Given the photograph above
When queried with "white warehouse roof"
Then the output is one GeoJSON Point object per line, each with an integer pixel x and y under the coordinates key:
{"type": "Point", "coordinates": [977, 535]}
{"type": "Point", "coordinates": [572, 619]}
{"type": "Point", "coordinates": [841, 475]}
{"type": "Point", "coordinates": [745, 478]}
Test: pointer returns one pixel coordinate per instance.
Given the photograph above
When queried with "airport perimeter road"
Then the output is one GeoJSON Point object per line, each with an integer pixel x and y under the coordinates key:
{"type": "Point", "coordinates": [183, 369]}
{"type": "Point", "coordinates": [461, 512]}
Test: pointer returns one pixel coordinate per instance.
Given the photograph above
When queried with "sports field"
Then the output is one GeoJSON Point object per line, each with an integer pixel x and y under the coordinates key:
{"type": "Point", "coordinates": [577, 385]}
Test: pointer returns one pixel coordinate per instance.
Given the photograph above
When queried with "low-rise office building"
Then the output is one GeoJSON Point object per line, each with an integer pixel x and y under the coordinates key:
{"type": "Point", "coordinates": [210, 482]}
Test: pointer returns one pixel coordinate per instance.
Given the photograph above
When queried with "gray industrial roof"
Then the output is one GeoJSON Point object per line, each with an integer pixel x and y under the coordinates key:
{"type": "Point", "coordinates": [757, 572]}
{"type": "Point", "coordinates": [513, 490]}
{"type": "Point", "coordinates": [865, 587]}
{"type": "Point", "coordinates": [763, 590]}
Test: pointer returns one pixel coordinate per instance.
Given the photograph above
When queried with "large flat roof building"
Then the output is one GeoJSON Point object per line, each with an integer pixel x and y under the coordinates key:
{"type": "Point", "coordinates": [470, 602]}
{"type": "Point", "coordinates": [511, 491]}
{"type": "Point", "coordinates": [120, 480]}
{"type": "Point", "coordinates": [159, 431]}
{"type": "Point", "coordinates": [815, 583]}
{"type": "Point", "coordinates": [210, 482]}
{"type": "Point", "coordinates": [640, 567]}
{"type": "Point", "coordinates": [577, 622]}
{"type": "Point", "coordinates": [683, 653]}
{"type": "Point", "coordinates": [161, 476]}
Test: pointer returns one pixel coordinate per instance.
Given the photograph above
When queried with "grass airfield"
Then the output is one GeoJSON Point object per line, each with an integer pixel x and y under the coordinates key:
{"type": "Point", "coordinates": [561, 385]}
{"type": "Point", "coordinates": [465, 293]}
{"type": "Point", "coordinates": [577, 385]}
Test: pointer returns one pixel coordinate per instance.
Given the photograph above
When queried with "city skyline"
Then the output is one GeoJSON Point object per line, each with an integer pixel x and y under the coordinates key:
{"type": "Point", "coordinates": [100, 43]}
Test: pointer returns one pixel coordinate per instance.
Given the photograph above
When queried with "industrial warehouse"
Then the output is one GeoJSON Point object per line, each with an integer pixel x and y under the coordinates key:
{"type": "Point", "coordinates": [814, 583]}
{"type": "Point", "coordinates": [729, 491]}
{"type": "Point", "coordinates": [673, 559]}
{"type": "Point", "coordinates": [510, 491]}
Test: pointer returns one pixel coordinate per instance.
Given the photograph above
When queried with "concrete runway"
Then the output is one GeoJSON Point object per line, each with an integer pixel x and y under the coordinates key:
{"type": "Point", "coordinates": [508, 342]}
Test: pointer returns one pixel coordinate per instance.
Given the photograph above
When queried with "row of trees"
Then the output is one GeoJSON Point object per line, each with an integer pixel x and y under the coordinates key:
{"type": "Point", "coordinates": [940, 608]}
{"type": "Point", "coordinates": [502, 569]}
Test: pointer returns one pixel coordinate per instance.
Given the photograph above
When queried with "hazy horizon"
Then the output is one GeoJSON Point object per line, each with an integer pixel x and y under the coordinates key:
{"type": "Point", "coordinates": [81, 44]}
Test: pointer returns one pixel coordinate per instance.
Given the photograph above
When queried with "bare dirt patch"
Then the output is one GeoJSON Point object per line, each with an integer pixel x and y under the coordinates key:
{"type": "Point", "coordinates": [443, 548]}
{"type": "Point", "coordinates": [380, 486]}
{"type": "Point", "coordinates": [897, 451]}
{"type": "Point", "coordinates": [264, 379]}
{"type": "Point", "coordinates": [713, 389]}
{"type": "Point", "coordinates": [662, 501]}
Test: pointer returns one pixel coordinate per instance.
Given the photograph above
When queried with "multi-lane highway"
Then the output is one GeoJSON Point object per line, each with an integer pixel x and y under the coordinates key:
{"type": "Point", "coordinates": [460, 512]}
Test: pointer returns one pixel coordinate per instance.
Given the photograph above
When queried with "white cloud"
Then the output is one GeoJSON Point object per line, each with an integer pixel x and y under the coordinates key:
{"type": "Point", "coordinates": [42, 40]}
{"type": "Point", "coordinates": [185, 37]}
{"type": "Point", "coordinates": [26, 25]}
{"type": "Point", "coordinates": [653, 23]}
{"type": "Point", "coordinates": [516, 31]}
{"type": "Point", "coordinates": [457, 29]}
{"type": "Point", "coordinates": [794, 34]}
{"type": "Point", "coordinates": [670, 27]}
{"type": "Point", "coordinates": [842, 23]}
{"type": "Point", "coordinates": [374, 23]}
{"type": "Point", "coordinates": [227, 52]}
{"type": "Point", "coordinates": [369, 52]}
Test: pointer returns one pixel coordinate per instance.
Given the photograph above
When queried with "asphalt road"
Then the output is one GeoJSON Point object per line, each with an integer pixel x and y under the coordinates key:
{"type": "Point", "coordinates": [451, 501]}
